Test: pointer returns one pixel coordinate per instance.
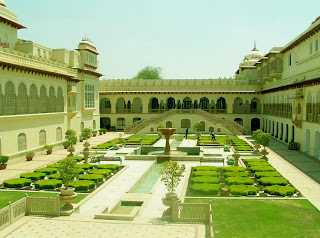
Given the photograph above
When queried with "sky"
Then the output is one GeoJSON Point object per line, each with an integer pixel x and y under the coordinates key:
{"type": "Point", "coordinates": [188, 39]}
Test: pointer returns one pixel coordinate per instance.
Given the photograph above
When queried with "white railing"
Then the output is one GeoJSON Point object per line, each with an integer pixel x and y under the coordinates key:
{"type": "Point", "coordinates": [12, 213]}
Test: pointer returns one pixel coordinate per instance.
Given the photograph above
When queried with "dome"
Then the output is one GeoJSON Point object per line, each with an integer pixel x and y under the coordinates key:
{"type": "Point", "coordinates": [2, 3]}
{"type": "Point", "coordinates": [255, 54]}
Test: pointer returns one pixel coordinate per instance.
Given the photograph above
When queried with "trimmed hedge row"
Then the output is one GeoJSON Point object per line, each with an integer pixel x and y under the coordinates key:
{"type": "Point", "coordinates": [85, 166]}
{"type": "Point", "coordinates": [206, 188]}
{"type": "Point", "coordinates": [267, 174]}
{"type": "Point", "coordinates": [205, 173]}
{"type": "Point", "coordinates": [233, 169]}
{"type": "Point", "coordinates": [33, 176]}
{"type": "Point", "coordinates": [261, 169]}
{"type": "Point", "coordinates": [47, 171]}
{"type": "Point", "coordinates": [104, 172]}
{"type": "Point", "coordinates": [112, 167]}
{"type": "Point", "coordinates": [55, 176]}
{"type": "Point", "coordinates": [17, 183]}
{"type": "Point", "coordinates": [82, 185]}
{"type": "Point", "coordinates": [280, 190]}
{"type": "Point", "coordinates": [239, 180]}
{"type": "Point", "coordinates": [92, 177]}
{"type": "Point", "coordinates": [243, 190]}
{"type": "Point", "coordinates": [205, 168]}
{"type": "Point", "coordinates": [235, 174]}
{"type": "Point", "coordinates": [205, 179]}
{"type": "Point", "coordinates": [268, 181]}
{"type": "Point", "coordinates": [48, 184]}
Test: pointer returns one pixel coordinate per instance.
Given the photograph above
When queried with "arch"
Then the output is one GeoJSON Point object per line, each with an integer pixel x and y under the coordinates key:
{"type": "Point", "coordinates": [121, 121]}
{"type": "Point", "coordinates": [185, 123]}
{"type": "Point", "coordinates": [60, 101]}
{"type": "Point", "coordinates": [238, 106]}
{"type": "Point", "coordinates": [105, 103]}
{"type": "Point", "coordinates": [59, 134]}
{"type": "Point", "coordinates": [9, 100]}
{"type": "Point", "coordinates": [105, 122]}
{"type": "Point", "coordinates": [171, 103]}
{"type": "Point", "coordinates": [204, 103]}
{"type": "Point", "coordinates": [94, 125]}
{"type": "Point", "coordinates": [43, 100]}
{"type": "Point", "coordinates": [221, 104]}
{"type": "Point", "coordinates": [154, 105]}
{"type": "Point", "coordinates": [169, 124]}
{"type": "Point", "coordinates": [33, 100]}
{"type": "Point", "coordinates": [219, 129]}
{"type": "Point", "coordinates": [135, 119]}
{"type": "Point", "coordinates": [187, 103]}
{"type": "Point", "coordinates": [52, 100]}
{"type": "Point", "coordinates": [211, 129]}
{"type": "Point", "coordinates": [195, 104]}
{"type": "Point", "coordinates": [307, 145]}
{"type": "Point", "coordinates": [179, 104]}
{"type": "Point", "coordinates": [137, 105]}
{"type": "Point", "coordinates": [120, 105]}
{"type": "Point", "coordinates": [22, 142]}
{"type": "Point", "coordinates": [239, 121]}
{"type": "Point", "coordinates": [22, 100]}
{"type": "Point", "coordinates": [317, 144]}
{"type": "Point", "coordinates": [152, 129]}
{"type": "Point", "coordinates": [81, 126]}
{"type": "Point", "coordinates": [255, 105]}
{"type": "Point", "coordinates": [203, 126]}
{"type": "Point", "coordinates": [42, 137]}
{"type": "Point", "coordinates": [255, 124]}
{"type": "Point", "coordinates": [129, 105]}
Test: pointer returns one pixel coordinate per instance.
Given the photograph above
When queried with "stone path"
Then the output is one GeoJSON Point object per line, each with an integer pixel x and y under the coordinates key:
{"type": "Point", "coordinates": [188, 143]}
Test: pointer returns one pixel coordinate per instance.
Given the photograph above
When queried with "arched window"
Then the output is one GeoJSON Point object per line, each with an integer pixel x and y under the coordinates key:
{"type": "Point", "coordinates": [120, 105]}
{"type": "Point", "coordinates": [52, 100]}
{"type": "Point", "coordinates": [187, 103]}
{"type": "Point", "coordinates": [94, 125]}
{"type": "Point", "coordinates": [137, 105]}
{"type": "Point", "coordinates": [22, 142]}
{"type": "Point", "coordinates": [154, 104]}
{"type": "Point", "coordinates": [171, 104]}
{"type": "Point", "coordinates": [42, 137]}
{"type": "Point", "coordinates": [33, 100]}
{"type": "Point", "coordinates": [221, 104]}
{"type": "Point", "coordinates": [211, 129]}
{"type": "Point", "coordinates": [151, 129]}
{"type": "Point", "coordinates": [43, 100]}
{"type": "Point", "coordinates": [185, 123]}
{"type": "Point", "coordinates": [22, 100]}
{"type": "Point", "coordinates": [59, 134]}
{"type": "Point", "coordinates": [9, 100]}
{"type": "Point", "coordinates": [121, 121]}
{"type": "Point", "coordinates": [169, 124]}
{"type": "Point", "coordinates": [204, 103]}
{"type": "Point", "coordinates": [60, 101]}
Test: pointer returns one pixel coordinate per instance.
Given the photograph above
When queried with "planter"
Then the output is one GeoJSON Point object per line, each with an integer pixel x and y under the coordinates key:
{"type": "Point", "coordinates": [236, 157]}
{"type": "Point", "coordinates": [71, 150]}
{"type": "Point", "coordinates": [66, 146]}
{"type": "Point", "coordinates": [100, 133]}
{"type": "Point", "coordinates": [198, 134]}
{"type": "Point", "coordinates": [3, 166]}
{"type": "Point", "coordinates": [256, 148]}
{"type": "Point", "coordinates": [104, 132]}
{"type": "Point", "coordinates": [264, 152]}
{"type": "Point", "coordinates": [49, 152]}
{"type": "Point", "coordinates": [29, 158]}
{"type": "Point", "coordinates": [94, 135]}
{"type": "Point", "coordinates": [81, 140]}
{"type": "Point", "coordinates": [169, 200]}
{"type": "Point", "coordinates": [228, 141]}
{"type": "Point", "coordinates": [67, 192]}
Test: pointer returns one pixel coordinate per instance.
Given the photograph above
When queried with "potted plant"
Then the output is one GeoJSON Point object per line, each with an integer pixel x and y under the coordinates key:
{"type": "Point", "coordinates": [48, 148]}
{"type": "Point", "coordinates": [3, 161]}
{"type": "Point", "coordinates": [94, 133]}
{"type": "Point", "coordinates": [66, 144]}
{"type": "Point", "coordinates": [171, 175]}
{"type": "Point", "coordinates": [197, 127]}
{"type": "Point", "coordinates": [71, 139]}
{"type": "Point", "coordinates": [100, 132]}
{"type": "Point", "coordinates": [228, 140]}
{"type": "Point", "coordinates": [104, 130]}
{"type": "Point", "coordinates": [86, 133]}
{"type": "Point", "coordinates": [264, 139]}
{"type": "Point", "coordinates": [81, 139]}
{"type": "Point", "coordinates": [236, 156]}
{"type": "Point", "coordinates": [254, 136]}
{"type": "Point", "coordinates": [68, 170]}
{"type": "Point", "coordinates": [29, 156]}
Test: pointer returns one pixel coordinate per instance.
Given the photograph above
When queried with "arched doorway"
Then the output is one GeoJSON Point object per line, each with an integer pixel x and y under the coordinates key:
{"type": "Point", "coordinates": [120, 105]}
{"type": "Point", "coordinates": [255, 124]}
{"type": "Point", "coordinates": [203, 126]}
{"type": "Point", "coordinates": [135, 119]}
{"type": "Point", "coordinates": [105, 122]}
{"type": "Point", "coordinates": [137, 105]}
{"type": "Point", "coordinates": [187, 103]}
{"type": "Point", "coordinates": [153, 105]}
{"type": "Point", "coordinates": [171, 103]}
{"type": "Point", "coordinates": [307, 147]}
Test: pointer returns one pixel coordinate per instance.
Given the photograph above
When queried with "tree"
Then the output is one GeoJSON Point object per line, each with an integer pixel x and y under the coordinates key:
{"type": "Point", "coordinates": [149, 72]}
{"type": "Point", "coordinates": [197, 127]}
{"type": "Point", "coordinates": [68, 169]}
{"type": "Point", "coordinates": [263, 139]}
{"type": "Point", "coordinates": [71, 137]}
{"type": "Point", "coordinates": [171, 174]}
{"type": "Point", "coordinates": [256, 133]}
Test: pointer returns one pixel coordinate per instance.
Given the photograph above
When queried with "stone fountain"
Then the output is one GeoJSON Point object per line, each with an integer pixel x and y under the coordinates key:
{"type": "Point", "coordinates": [167, 132]}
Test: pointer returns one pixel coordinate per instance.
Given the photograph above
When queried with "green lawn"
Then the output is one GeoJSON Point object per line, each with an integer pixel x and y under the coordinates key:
{"type": "Point", "coordinates": [6, 196]}
{"type": "Point", "coordinates": [263, 218]}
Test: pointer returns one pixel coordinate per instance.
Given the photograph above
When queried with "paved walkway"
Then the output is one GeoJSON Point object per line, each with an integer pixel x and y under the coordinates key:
{"type": "Point", "coordinates": [306, 185]}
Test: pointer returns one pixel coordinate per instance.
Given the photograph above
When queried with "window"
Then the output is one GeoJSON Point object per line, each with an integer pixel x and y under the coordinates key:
{"type": "Point", "coordinates": [121, 121]}
{"type": "Point", "coordinates": [289, 59]}
{"type": "Point", "coordinates": [89, 96]}
{"type": "Point", "coordinates": [59, 134]}
{"type": "Point", "coordinates": [317, 45]}
{"type": "Point", "coordinates": [22, 142]}
{"type": "Point", "coordinates": [42, 137]}
{"type": "Point", "coordinates": [311, 48]}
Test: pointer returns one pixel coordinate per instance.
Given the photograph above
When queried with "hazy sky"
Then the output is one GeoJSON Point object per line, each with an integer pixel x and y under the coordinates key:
{"type": "Point", "coordinates": [186, 38]}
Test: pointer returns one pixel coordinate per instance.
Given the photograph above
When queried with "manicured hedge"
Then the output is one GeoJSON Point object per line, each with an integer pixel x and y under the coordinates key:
{"type": "Point", "coordinates": [55, 176]}
{"type": "Point", "coordinates": [243, 190]}
{"type": "Point", "coordinates": [268, 181]}
{"type": "Point", "coordinates": [112, 167]}
{"type": "Point", "coordinates": [254, 161]}
{"type": "Point", "coordinates": [17, 183]}
{"type": "Point", "coordinates": [56, 165]}
{"type": "Point", "coordinates": [235, 174]}
{"type": "Point", "coordinates": [104, 172]}
{"type": "Point", "coordinates": [82, 185]}
{"type": "Point", "coordinates": [47, 171]}
{"type": "Point", "coordinates": [206, 188]}
{"type": "Point", "coordinates": [267, 174]}
{"type": "Point", "coordinates": [205, 173]}
{"type": "Point", "coordinates": [85, 166]}
{"type": "Point", "coordinates": [251, 164]}
{"type": "Point", "coordinates": [261, 169]}
{"type": "Point", "coordinates": [92, 177]}
{"type": "Point", "coordinates": [77, 158]}
{"type": "Point", "coordinates": [48, 184]}
{"type": "Point", "coordinates": [80, 171]}
{"type": "Point", "coordinates": [33, 176]}
{"type": "Point", "coordinates": [239, 180]}
{"type": "Point", "coordinates": [205, 168]}
{"type": "Point", "coordinates": [205, 179]}
{"type": "Point", "coordinates": [280, 190]}
{"type": "Point", "coordinates": [233, 169]}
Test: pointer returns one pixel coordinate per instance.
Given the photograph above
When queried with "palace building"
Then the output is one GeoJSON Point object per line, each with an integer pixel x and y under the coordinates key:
{"type": "Point", "coordinates": [278, 92]}
{"type": "Point", "coordinates": [43, 91]}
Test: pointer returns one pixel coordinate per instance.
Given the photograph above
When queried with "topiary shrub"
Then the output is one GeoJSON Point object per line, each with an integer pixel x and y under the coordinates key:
{"type": "Point", "coordinates": [47, 171]}
{"type": "Point", "coordinates": [33, 176]}
{"type": "Point", "coordinates": [239, 180]}
{"type": "Point", "coordinates": [206, 188]}
{"type": "Point", "coordinates": [112, 167]}
{"type": "Point", "coordinates": [92, 177]}
{"type": "Point", "coordinates": [205, 173]}
{"type": "Point", "coordinates": [205, 168]}
{"type": "Point", "coordinates": [48, 184]}
{"type": "Point", "coordinates": [268, 181]}
{"type": "Point", "coordinates": [280, 190]}
{"type": "Point", "coordinates": [82, 185]}
{"type": "Point", "coordinates": [233, 169]}
{"type": "Point", "coordinates": [104, 172]}
{"type": "Point", "coordinates": [56, 165]}
{"type": "Point", "coordinates": [267, 174]}
{"type": "Point", "coordinates": [261, 169]}
{"type": "Point", "coordinates": [55, 176]}
{"type": "Point", "coordinates": [17, 183]}
{"type": "Point", "coordinates": [235, 174]}
{"type": "Point", "coordinates": [243, 190]}
{"type": "Point", "coordinates": [205, 179]}
{"type": "Point", "coordinates": [85, 166]}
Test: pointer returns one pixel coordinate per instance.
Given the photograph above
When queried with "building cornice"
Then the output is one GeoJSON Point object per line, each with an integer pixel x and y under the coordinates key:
{"type": "Point", "coordinates": [88, 72]}
{"type": "Point", "coordinates": [11, 23]}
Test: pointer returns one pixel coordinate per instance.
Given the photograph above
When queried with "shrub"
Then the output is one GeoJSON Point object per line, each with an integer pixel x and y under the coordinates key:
{"type": "Point", "coordinates": [82, 185]}
{"type": "Point", "coordinates": [243, 190]}
{"type": "Point", "coordinates": [29, 154]}
{"type": "Point", "coordinates": [235, 174]}
{"type": "Point", "coordinates": [233, 169]}
{"type": "Point", "coordinates": [68, 170]}
{"type": "Point", "coordinates": [4, 159]}
{"type": "Point", "coordinates": [79, 171]}
{"type": "Point", "coordinates": [33, 176]}
{"type": "Point", "coordinates": [251, 164]}
{"type": "Point", "coordinates": [205, 173]}
{"type": "Point", "coordinates": [268, 181]}
{"type": "Point", "coordinates": [92, 177]}
{"type": "Point", "coordinates": [112, 167]}
{"type": "Point", "coordinates": [205, 179]}
{"type": "Point", "coordinates": [267, 174]}
{"type": "Point", "coordinates": [56, 165]}
{"type": "Point", "coordinates": [47, 171]}
{"type": "Point", "coordinates": [48, 184]}
{"type": "Point", "coordinates": [239, 180]}
{"type": "Point", "coordinates": [261, 169]}
{"type": "Point", "coordinates": [85, 166]}
{"type": "Point", "coordinates": [280, 190]}
{"type": "Point", "coordinates": [77, 158]}
{"type": "Point", "coordinates": [48, 147]}
{"type": "Point", "coordinates": [55, 176]}
{"type": "Point", "coordinates": [206, 188]}
{"type": "Point", "coordinates": [17, 183]}
{"type": "Point", "coordinates": [104, 172]}
{"type": "Point", "coordinates": [205, 168]}
{"type": "Point", "coordinates": [254, 161]}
